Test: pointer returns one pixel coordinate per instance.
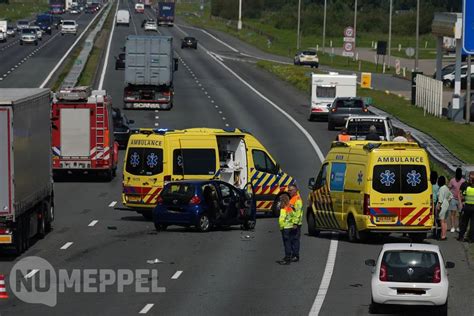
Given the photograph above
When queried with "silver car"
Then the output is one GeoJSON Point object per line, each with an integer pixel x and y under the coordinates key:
{"type": "Point", "coordinates": [39, 32]}
{"type": "Point", "coordinates": [28, 36]}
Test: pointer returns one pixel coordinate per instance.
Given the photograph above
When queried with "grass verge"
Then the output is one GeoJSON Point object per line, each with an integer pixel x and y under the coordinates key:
{"type": "Point", "coordinates": [89, 73]}
{"type": "Point", "coordinates": [458, 138]}
{"type": "Point", "coordinates": [17, 11]}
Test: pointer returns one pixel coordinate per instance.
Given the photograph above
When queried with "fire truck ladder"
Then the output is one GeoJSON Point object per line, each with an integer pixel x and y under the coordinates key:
{"type": "Point", "coordinates": [100, 130]}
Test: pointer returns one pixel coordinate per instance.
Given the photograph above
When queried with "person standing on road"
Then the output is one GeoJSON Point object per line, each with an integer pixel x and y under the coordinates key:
{"type": "Point", "coordinates": [467, 214]}
{"type": "Point", "coordinates": [435, 186]}
{"type": "Point", "coordinates": [455, 205]}
{"type": "Point", "coordinates": [287, 222]}
{"type": "Point", "coordinates": [372, 135]}
{"type": "Point", "coordinates": [444, 198]}
{"type": "Point", "coordinates": [343, 136]}
{"type": "Point", "coordinates": [296, 204]}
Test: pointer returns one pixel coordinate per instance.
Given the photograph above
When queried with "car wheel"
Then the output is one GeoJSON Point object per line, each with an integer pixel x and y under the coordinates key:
{"type": "Point", "coordinates": [331, 126]}
{"type": "Point", "coordinates": [311, 118]}
{"type": "Point", "coordinates": [160, 227]}
{"type": "Point", "coordinates": [147, 215]}
{"type": "Point", "coordinates": [375, 308]}
{"type": "Point", "coordinates": [311, 220]}
{"type": "Point", "coordinates": [62, 34]}
{"type": "Point", "coordinates": [204, 223]}
{"type": "Point", "coordinates": [36, 43]}
{"type": "Point", "coordinates": [195, 47]}
{"type": "Point", "coordinates": [249, 224]}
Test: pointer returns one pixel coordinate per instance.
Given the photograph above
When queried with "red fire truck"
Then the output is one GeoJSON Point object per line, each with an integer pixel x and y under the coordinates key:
{"type": "Point", "coordinates": [82, 133]}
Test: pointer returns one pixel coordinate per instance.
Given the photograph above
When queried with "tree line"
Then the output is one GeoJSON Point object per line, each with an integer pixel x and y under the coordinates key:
{"type": "Point", "coordinates": [373, 15]}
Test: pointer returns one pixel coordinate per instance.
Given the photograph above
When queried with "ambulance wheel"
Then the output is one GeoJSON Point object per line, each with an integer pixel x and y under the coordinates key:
{"type": "Point", "coordinates": [249, 224]}
{"type": "Point", "coordinates": [312, 231]}
{"type": "Point", "coordinates": [352, 234]}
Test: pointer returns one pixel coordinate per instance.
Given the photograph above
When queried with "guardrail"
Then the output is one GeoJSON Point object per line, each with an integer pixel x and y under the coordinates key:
{"type": "Point", "coordinates": [73, 76]}
{"type": "Point", "coordinates": [429, 95]}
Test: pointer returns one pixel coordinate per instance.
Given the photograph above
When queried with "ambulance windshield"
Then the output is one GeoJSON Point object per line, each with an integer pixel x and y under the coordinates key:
{"type": "Point", "coordinates": [144, 161]}
{"type": "Point", "coordinates": [396, 179]}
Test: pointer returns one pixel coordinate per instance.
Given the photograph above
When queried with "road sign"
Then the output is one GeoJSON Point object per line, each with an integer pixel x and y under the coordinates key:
{"type": "Point", "coordinates": [397, 66]}
{"type": "Point", "coordinates": [349, 42]}
{"type": "Point", "coordinates": [410, 51]}
{"type": "Point", "coordinates": [468, 26]}
{"type": "Point", "coordinates": [366, 80]}
{"type": "Point", "coordinates": [349, 31]}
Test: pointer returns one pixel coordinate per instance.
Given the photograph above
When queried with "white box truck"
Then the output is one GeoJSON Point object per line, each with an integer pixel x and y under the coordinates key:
{"type": "Point", "coordinates": [26, 185]}
{"type": "Point", "coordinates": [325, 88]}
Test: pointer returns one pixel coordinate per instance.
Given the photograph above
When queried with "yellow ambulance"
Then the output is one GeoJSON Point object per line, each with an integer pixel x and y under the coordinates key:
{"type": "Point", "coordinates": [156, 156]}
{"type": "Point", "coordinates": [372, 187]}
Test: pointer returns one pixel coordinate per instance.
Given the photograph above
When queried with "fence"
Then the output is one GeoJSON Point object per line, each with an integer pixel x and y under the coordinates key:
{"type": "Point", "coordinates": [429, 95]}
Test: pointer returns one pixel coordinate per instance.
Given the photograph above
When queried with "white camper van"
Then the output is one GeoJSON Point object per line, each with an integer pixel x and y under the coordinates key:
{"type": "Point", "coordinates": [326, 87]}
{"type": "Point", "coordinates": [123, 17]}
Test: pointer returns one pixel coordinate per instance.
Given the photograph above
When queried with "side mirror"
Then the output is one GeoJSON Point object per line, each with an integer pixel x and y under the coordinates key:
{"type": "Point", "coordinates": [176, 64]}
{"type": "Point", "coordinates": [449, 265]}
{"type": "Point", "coordinates": [277, 168]}
{"type": "Point", "coordinates": [131, 121]}
{"type": "Point", "coordinates": [311, 183]}
{"type": "Point", "coordinates": [329, 105]}
{"type": "Point", "coordinates": [370, 262]}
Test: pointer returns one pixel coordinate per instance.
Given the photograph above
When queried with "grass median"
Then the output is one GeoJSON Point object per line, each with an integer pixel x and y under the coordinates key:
{"type": "Point", "coordinates": [458, 138]}
{"type": "Point", "coordinates": [21, 10]}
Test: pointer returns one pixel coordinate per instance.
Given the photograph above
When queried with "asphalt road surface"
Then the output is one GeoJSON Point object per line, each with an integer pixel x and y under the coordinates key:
{"type": "Point", "coordinates": [229, 271]}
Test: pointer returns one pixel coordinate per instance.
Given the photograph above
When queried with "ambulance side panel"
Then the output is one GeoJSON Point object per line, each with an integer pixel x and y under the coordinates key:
{"type": "Point", "coordinates": [356, 176]}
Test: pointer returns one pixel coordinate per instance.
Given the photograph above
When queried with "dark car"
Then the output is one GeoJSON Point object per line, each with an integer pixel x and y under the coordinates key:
{"type": "Point", "coordinates": [190, 42]}
{"type": "Point", "coordinates": [342, 108]}
{"type": "Point", "coordinates": [121, 127]}
{"type": "Point", "coordinates": [204, 204]}
{"type": "Point", "coordinates": [120, 61]}
{"type": "Point", "coordinates": [90, 9]}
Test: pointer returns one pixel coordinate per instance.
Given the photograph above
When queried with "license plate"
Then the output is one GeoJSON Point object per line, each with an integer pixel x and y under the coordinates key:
{"type": "Point", "coordinates": [385, 219]}
{"type": "Point", "coordinates": [134, 199]}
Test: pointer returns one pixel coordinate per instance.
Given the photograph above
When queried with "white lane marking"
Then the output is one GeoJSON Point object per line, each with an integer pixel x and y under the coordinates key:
{"type": "Point", "coordinates": [113, 203]}
{"type": "Point", "coordinates": [66, 245]}
{"type": "Point", "coordinates": [93, 223]}
{"type": "Point", "coordinates": [133, 20]}
{"type": "Point", "coordinates": [328, 271]}
{"type": "Point", "coordinates": [223, 118]}
{"type": "Point", "coordinates": [146, 309]}
{"type": "Point", "coordinates": [45, 82]}
{"type": "Point", "coordinates": [31, 273]}
{"type": "Point", "coordinates": [157, 124]}
{"type": "Point", "coordinates": [326, 280]}
{"type": "Point", "coordinates": [227, 125]}
{"type": "Point", "coordinates": [210, 35]}
{"type": "Point", "coordinates": [157, 117]}
{"type": "Point", "coordinates": [107, 52]}
{"type": "Point", "coordinates": [176, 275]}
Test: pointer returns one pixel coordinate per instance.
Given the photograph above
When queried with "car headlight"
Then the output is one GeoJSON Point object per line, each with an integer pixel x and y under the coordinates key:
{"type": "Point", "coordinates": [49, 27]}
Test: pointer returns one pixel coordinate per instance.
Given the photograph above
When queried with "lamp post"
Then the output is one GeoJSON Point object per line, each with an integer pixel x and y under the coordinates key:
{"type": "Point", "coordinates": [390, 34]}
{"type": "Point", "coordinates": [298, 27]}
{"type": "Point", "coordinates": [324, 27]}
{"type": "Point", "coordinates": [417, 33]}
{"type": "Point", "coordinates": [355, 23]}
{"type": "Point", "coordinates": [239, 23]}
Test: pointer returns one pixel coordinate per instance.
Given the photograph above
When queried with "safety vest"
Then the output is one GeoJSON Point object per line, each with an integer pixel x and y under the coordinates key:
{"type": "Point", "coordinates": [297, 204]}
{"type": "Point", "coordinates": [343, 137]}
{"type": "Point", "coordinates": [287, 218]}
{"type": "Point", "coordinates": [469, 195]}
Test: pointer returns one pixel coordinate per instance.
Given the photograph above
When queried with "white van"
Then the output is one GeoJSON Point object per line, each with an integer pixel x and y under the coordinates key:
{"type": "Point", "coordinates": [325, 88]}
{"type": "Point", "coordinates": [123, 17]}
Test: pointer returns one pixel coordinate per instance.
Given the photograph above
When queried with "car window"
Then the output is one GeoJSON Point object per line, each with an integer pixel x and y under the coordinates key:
{"type": "Point", "coordinates": [356, 127]}
{"type": "Point", "coordinates": [349, 103]}
{"type": "Point", "coordinates": [410, 266]}
{"type": "Point", "coordinates": [182, 192]}
{"type": "Point", "coordinates": [263, 162]}
{"type": "Point", "coordinates": [309, 53]}
{"type": "Point", "coordinates": [321, 179]}
{"type": "Point", "coordinates": [194, 161]}
{"type": "Point", "coordinates": [325, 92]}
{"type": "Point", "coordinates": [69, 23]}
{"type": "Point", "coordinates": [396, 179]}
{"type": "Point", "coordinates": [226, 190]}
{"type": "Point", "coordinates": [144, 161]}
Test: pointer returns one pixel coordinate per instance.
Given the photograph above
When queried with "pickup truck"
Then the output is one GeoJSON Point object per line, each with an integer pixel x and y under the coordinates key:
{"type": "Point", "coordinates": [358, 126]}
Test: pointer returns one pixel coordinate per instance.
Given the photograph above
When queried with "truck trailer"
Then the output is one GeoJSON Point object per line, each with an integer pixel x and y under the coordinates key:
{"type": "Point", "coordinates": [26, 184]}
{"type": "Point", "coordinates": [165, 13]}
{"type": "Point", "coordinates": [149, 69]}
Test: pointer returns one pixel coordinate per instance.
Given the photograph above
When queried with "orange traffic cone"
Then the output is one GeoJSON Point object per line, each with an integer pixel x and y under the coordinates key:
{"type": "Point", "coordinates": [3, 289]}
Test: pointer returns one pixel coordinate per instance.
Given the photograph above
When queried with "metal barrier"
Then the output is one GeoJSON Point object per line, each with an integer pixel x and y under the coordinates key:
{"type": "Point", "coordinates": [73, 76]}
{"type": "Point", "coordinates": [429, 95]}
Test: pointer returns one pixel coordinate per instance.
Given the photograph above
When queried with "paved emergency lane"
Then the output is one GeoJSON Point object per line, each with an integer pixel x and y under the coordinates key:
{"type": "Point", "coordinates": [28, 65]}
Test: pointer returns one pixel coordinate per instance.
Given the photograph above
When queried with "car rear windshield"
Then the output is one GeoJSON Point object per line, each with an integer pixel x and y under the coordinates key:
{"type": "Point", "coordinates": [309, 53]}
{"type": "Point", "coordinates": [194, 161]}
{"type": "Point", "coordinates": [353, 103]}
{"type": "Point", "coordinates": [144, 161]}
{"type": "Point", "coordinates": [23, 23]}
{"type": "Point", "coordinates": [355, 127]}
{"type": "Point", "coordinates": [182, 192]}
{"type": "Point", "coordinates": [28, 31]}
{"type": "Point", "coordinates": [69, 23]}
{"type": "Point", "coordinates": [410, 266]}
{"type": "Point", "coordinates": [395, 179]}
{"type": "Point", "coordinates": [325, 92]}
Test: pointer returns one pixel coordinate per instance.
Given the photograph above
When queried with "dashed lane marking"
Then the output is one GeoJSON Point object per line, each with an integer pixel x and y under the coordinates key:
{"type": "Point", "coordinates": [113, 203]}
{"type": "Point", "coordinates": [66, 245]}
{"type": "Point", "coordinates": [176, 275]}
{"type": "Point", "coordinates": [146, 309]}
{"type": "Point", "coordinates": [93, 223]}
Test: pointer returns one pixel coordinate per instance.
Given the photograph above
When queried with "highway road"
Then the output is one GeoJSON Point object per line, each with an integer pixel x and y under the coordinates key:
{"type": "Point", "coordinates": [28, 65]}
{"type": "Point", "coordinates": [225, 271]}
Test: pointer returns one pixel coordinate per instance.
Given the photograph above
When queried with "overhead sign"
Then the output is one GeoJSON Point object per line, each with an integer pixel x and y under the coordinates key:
{"type": "Point", "coordinates": [468, 26]}
{"type": "Point", "coordinates": [349, 42]}
{"type": "Point", "coordinates": [366, 80]}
